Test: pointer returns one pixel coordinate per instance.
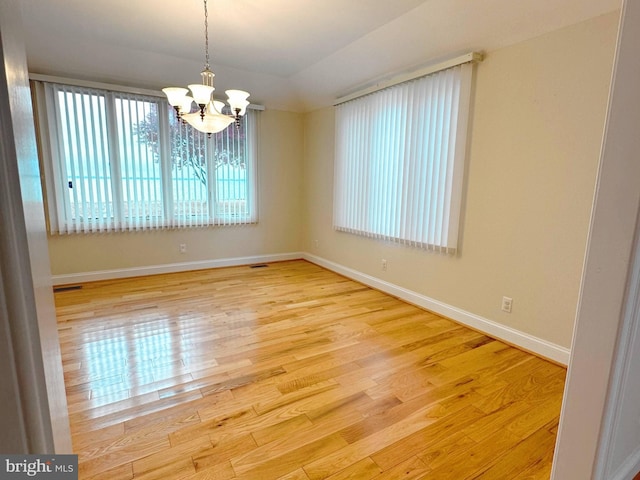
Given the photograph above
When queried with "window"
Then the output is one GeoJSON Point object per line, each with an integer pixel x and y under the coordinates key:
{"type": "Point", "coordinates": [120, 161]}
{"type": "Point", "coordinates": [400, 156]}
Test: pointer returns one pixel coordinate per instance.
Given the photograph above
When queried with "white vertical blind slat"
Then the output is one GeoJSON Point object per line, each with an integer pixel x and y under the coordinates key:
{"type": "Point", "coordinates": [85, 167]}
{"type": "Point", "coordinates": [461, 127]}
{"type": "Point", "coordinates": [98, 199]}
{"type": "Point", "coordinates": [71, 154]}
{"type": "Point", "coordinates": [211, 180]}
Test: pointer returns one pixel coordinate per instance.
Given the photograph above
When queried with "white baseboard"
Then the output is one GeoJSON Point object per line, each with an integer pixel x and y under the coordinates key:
{"type": "Point", "coordinates": [72, 278]}
{"type": "Point", "coordinates": [510, 335]}
{"type": "Point", "coordinates": [629, 468]}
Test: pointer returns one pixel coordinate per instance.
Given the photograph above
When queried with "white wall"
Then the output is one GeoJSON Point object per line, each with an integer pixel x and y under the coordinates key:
{"type": "Point", "coordinates": [537, 127]}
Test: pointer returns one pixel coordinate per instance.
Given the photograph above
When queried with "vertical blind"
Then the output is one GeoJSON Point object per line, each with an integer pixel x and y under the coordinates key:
{"type": "Point", "coordinates": [120, 161]}
{"type": "Point", "coordinates": [213, 177]}
{"type": "Point", "coordinates": [400, 156]}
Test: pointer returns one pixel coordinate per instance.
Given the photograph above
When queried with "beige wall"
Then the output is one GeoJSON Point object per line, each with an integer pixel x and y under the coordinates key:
{"type": "Point", "coordinates": [537, 128]}
{"type": "Point", "coordinates": [535, 141]}
{"type": "Point", "coordinates": [278, 229]}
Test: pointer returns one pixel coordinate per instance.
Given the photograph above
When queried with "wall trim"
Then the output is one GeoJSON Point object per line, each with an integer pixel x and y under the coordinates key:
{"type": "Point", "coordinates": [623, 373]}
{"type": "Point", "coordinates": [629, 468]}
{"type": "Point", "coordinates": [83, 277]}
{"type": "Point", "coordinates": [510, 335]}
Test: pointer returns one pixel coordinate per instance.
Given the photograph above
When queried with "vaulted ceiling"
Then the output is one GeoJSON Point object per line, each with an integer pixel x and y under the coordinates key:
{"type": "Point", "coordinates": [290, 54]}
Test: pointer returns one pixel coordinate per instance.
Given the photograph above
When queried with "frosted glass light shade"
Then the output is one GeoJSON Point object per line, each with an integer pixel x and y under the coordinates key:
{"type": "Point", "coordinates": [242, 106]}
{"type": "Point", "coordinates": [211, 123]}
{"type": "Point", "coordinates": [175, 95]}
{"type": "Point", "coordinates": [185, 107]}
{"type": "Point", "coordinates": [238, 100]}
{"type": "Point", "coordinates": [201, 93]}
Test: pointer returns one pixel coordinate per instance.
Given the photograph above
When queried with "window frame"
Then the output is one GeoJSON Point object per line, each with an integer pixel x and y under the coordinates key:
{"type": "Point", "coordinates": [57, 199]}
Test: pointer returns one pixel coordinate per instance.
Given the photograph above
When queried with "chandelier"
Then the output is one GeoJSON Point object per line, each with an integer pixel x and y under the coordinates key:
{"type": "Point", "coordinates": [208, 117]}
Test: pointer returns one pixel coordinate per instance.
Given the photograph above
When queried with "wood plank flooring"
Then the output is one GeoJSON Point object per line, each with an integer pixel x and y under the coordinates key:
{"type": "Point", "coordinates": [293, 372]}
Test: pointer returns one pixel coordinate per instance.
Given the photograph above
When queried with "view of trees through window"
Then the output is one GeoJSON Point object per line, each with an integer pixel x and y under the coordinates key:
{"type": "Point", "coordinates": [193, 154]}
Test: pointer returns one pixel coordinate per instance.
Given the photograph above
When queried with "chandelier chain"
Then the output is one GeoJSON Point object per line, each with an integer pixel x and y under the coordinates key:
{"type": "Point", "coordinates": [206, 35]}
{"type": "Point", "coordinates": [211, 118]}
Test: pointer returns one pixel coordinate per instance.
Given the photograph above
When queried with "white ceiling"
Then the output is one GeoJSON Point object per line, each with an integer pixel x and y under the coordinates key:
{"type": "Point", "coordinates": [290, 54]}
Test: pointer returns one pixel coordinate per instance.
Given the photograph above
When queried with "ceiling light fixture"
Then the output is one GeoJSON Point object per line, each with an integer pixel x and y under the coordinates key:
{"type": "Point", "coordinates": [209, 117]}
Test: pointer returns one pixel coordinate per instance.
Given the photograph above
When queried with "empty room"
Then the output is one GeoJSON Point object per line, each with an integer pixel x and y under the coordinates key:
{"type": "Point", "coordinates": [321, 240]}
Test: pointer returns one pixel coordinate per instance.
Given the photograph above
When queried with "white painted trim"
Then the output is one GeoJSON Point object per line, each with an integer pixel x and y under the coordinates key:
{"type": "Point", "coordinates": [629, 468]}
{"type": "Point", "coordinates": [108, 86]}
{"type": "Point", "coordinates": [74, 278]}
{"type": "Point", "coordinates": [623, 369]}
{"type": "Point", "coordinates": [471, 57]}
{"type": "Point", "coordinates": [98, 85]}
{"type": "Point", "coordinates": [512, 336]}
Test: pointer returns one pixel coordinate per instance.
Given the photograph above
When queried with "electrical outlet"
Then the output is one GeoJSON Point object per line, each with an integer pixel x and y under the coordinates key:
{"type": "Point", "coordinates": [384, 265]}
{"type": "Point", "coordinates": [183, 248]}
{"type": "Point", "coordinates": [316, 243]}
{"type": "Point", "coordinates": [507, 303]}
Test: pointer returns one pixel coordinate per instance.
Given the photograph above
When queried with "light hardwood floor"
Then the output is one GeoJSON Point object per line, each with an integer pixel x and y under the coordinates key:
{"type": "Point", "coordinates": [293, 372]}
